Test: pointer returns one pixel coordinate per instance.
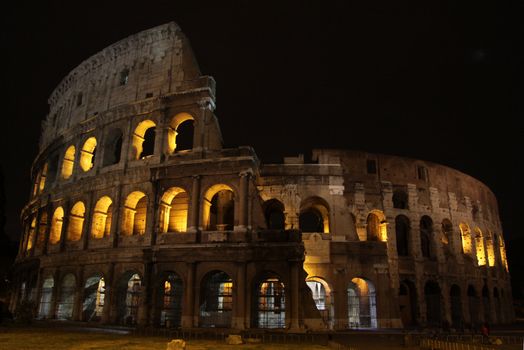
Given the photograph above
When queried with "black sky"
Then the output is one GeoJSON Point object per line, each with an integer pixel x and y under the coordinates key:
{"type": "Point", "coordinates": [425, 79]}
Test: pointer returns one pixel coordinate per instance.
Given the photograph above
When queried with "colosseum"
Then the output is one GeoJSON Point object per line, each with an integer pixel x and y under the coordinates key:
{"type": "Point", "coordinates": [138, 216]}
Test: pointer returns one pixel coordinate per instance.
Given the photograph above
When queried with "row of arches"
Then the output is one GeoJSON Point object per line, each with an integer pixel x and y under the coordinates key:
{"type": "Point", "coordinates": [215, 300]}
{"type": "Point", "coordinates": [142, 144]}
{"type": "Point", "coordinates": [480, 246]}
{"type": "Point", "coordinates": [218, 214]}
{"type": "Point", "coordinates": [434, 312]}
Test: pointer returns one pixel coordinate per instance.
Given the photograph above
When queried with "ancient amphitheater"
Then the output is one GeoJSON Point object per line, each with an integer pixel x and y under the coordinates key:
{"type": "Point", "coordinates": [138, 216]}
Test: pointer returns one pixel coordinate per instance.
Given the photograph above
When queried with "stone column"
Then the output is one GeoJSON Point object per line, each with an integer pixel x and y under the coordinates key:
{"type": "Point", "coordinates": [48, 229]}
{"type": "Point", "coordinates": [88, 221]}
{"type": "Point", "coordinates": [65, 224]}
{"type": "Point", "coordinates": [143, 311]}
{"type": "Point", "coordinates": [79, 295]}
{"type": "Point", "coordinates": [244, 201]}
{"type": "Point", "coordinates": [108, 294]}
{"type": "Point", "coordinates": [115, 221]}
{"type": "Point", "coordinates": [189, 297]}
{"type": "Point", "coordinates": [295, 283]}
{"type": "Point", "coordinates": [240, 299]}
{"type": "Point", "coordinates": [194, 206]}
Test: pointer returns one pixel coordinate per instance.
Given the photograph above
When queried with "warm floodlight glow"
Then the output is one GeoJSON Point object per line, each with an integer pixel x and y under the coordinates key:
{"type": "Point", "coordinates": [135, 210]}
{"type": "Point", "coordinates": [173, 210]}
{"type": "Point", "coordinates": [87, 154]}
{"type": "Point", "coordinates": [68, 163]}
{"type": "Point", "coordinates": [208, 197]}
{"type": "Point", "coordinates": [139, 136]}
{"type": "Point", "coordinates": [31, 234]}
{"type": "Point", "coordinates": [172, 131]}
{"type": "Point", "coordinates": [56, 225]}
{"type": "Point", "coordinates": [467, 244]}
{"type": "Point", "coordinates": [76, 222]}
{"type": "Point", "coordinates": [479, 243]}
{"type": "Point", "coordinates": [102, 216]}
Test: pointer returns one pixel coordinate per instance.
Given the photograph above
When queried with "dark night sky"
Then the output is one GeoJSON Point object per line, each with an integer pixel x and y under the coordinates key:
{"type": "Point", "coordinates": [430, 81]}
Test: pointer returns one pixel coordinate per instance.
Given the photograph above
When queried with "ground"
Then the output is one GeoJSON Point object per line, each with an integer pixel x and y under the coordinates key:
{"type": "Point", "coordinates": [63, 338]}
{"type": "Point", "coordinates": [46, 339]}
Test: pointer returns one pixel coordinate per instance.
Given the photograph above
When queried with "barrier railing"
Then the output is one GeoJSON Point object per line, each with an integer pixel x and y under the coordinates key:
{"type": "Point", "coordinates": [435, 344]}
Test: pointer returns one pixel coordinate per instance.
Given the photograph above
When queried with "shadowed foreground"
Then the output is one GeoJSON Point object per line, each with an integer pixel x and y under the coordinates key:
{"type": "Point", "coordinates": [46, 339]}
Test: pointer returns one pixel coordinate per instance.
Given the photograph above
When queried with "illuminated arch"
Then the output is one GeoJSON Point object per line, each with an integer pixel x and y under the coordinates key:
{"type": "Point", "coordinates": [321, 292]}
{"type": "Point", "coordinates": [271, 303]}
{"type": "Point", "coordinates": [218, 208]}
{"type": "Point", "coordinates": [31, 234]}
{"type": "Point", "coordinates": [171, 294]}
{"type": "Point", "coordinates": [447, 232]}
{"type": "Point", "coordinates": [40, 180]}
{"type": "Point", "coordinates": [362, 304]}
{"type": "Point", "coordinates": [490, 249]}
{"type": "Point", "coordinates": [314, 215]}
{"type": "Point", "coordinates": [144, 133]}
{"type": "Point", "coordinates": [174, 205]}
{"type": "Point", "coordinates": [479, 244]}
{"type": "Point", "coordinates": [66, 299]}
{"type": "Point", "coordinates": [216, 301]}
{"type": "Point", "coordinates": [94, 298]}
{"type": "Point", "coordinates": [173, 131]}
{"type": "Point", "coordinates": [129, 292]}
{"type": "Point", "coordinates": [467, 243]}
{"type": "Point", "coordinates": [502, 249]}
{"type": "Point", "coordinates": [135, 214]}
{"type": "Point", "coordinates": [46, 298]}
{"type": "Point", "coordinates": [76, 222]}
{"type": "Point", "coordinates": [102, 217]}
{"type": "Point", "coordinates": [87, 154]}
{"type": "Point", "coordinates": [376, 227]}
{"type": "Point", "coordinates": [68, 162]}
{"type": "Point", "coordinates": [56, 225]}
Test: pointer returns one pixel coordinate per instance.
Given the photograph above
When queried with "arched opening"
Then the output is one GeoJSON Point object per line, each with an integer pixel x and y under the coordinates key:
{"type": "Point", "coordinates": [46, 298]}
{"type": "Point", "coordinates": [400, 199]}
{"type": "Point", "coordinates": [486, 303]}
{"type": "Point", "coordinates": [479, 244]}
{"type": "Point", "coordinates": [144, 139]}
{"type": "Point", "coordinates": [31, 234]}
{"type": "Point", "coordinates": [135, 213]}
{"type": "Point", "coordinates": [171, 292]}
{"type": "Point", "coordinates": [473, 304]}
{"type": "Point", "coordinates": [219, 208]}
{"type": "Point", "coordinates": [271, 303]}
{"type": "Point", "coordinates": [180, 133]}
{"type": "Point", "coordinates": [362, 305]}
{"type": "Point", "coordinates": [113, 147]}
{"type": "Point", "coordinates": [407, 300]}
{"type": "Point", "coordinates": [102, 216]}
{"type": "Point", "coordinates": [373, 227]}
{"type": "Point", "coordinates": [129, 292]}
{"type": "Point", "coordinates": [490, 249]}
{"type": "Point", "coordinates": [321, 293]}
{"type": "Point", "coordinates": [68, 162]}
{"type": "Point", "coordinates": [433, 302]}
{"type": "Point", "coordinates": [56, 225]}
{"type": "Point", "coordinates": [402, 229]}
{"type": "Point", "coordinates": [66, 300]}
{"type": "Point", "coordinates": [94, 298]}
{"type": "Point", "coordinates": [456, 306]}
{"type": "Point", "coordinates": [274, 214]}
{"type": "Point", "coordinates": [216, 300]}
{"type": "Point", "coordinates": [87, 155]}
{"type": "Point", "coordinates": [467, 244]}
{"type": "Point", "coordinates": [314, 215]}
{"type": "Point", "coordinates": [40, 180]}
{"type": "Point", "coordinates": [426, 235]}
{"type": "Point", "coordinates": [174, 206]}
{"type": "Point", "coordinates": [76, 222]}
{"type": "Point", "coordinates": [42, 229]}
{"type": "Point", "coordinates": [447, 233]}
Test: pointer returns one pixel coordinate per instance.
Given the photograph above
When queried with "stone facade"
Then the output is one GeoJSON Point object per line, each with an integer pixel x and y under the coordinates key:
{"type": "Point", "coordinates": [139, 216]}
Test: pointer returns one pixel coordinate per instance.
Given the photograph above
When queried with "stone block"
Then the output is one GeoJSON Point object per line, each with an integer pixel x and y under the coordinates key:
{"type": "Point", "coordinates": [176, 344]}
{"type": "Point", "coordinates": [234, 339]}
